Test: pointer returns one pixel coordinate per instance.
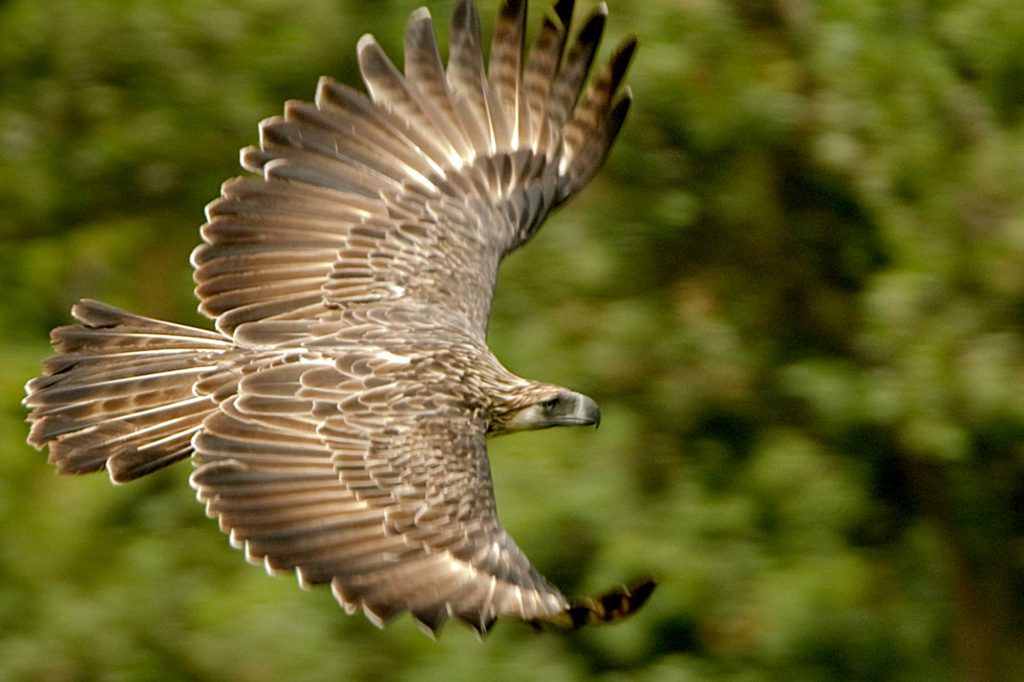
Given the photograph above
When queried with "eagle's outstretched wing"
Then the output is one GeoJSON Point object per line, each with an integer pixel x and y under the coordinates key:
{"type": "Point", "coordinates": [417, 191]}
{"type": "Point", "coordinates": [412, 525]}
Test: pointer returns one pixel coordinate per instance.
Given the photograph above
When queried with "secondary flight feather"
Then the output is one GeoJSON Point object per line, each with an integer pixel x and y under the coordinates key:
{"type": "Point", "coordinates": [338, 415]}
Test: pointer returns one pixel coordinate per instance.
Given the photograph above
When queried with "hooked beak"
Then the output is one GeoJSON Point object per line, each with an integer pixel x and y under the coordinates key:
{"type": "Point", "coordinates": [586, 413]}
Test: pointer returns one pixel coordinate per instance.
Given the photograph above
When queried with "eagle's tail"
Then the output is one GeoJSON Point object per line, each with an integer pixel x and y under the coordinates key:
{"type": "Point", "coordinates": [120, 393]}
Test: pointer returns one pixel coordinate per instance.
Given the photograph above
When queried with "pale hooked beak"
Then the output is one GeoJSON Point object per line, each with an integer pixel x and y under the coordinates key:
{"type": "Point", "coordinates": [585, 413]}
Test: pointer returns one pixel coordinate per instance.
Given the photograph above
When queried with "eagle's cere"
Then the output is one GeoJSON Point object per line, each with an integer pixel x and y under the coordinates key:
{"type": "Point", "coordinates": [338, 415]}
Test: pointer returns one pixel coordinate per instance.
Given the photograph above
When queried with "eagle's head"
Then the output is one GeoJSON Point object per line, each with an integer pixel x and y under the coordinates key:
{"type": "Point", "coordinates": [541, 406]}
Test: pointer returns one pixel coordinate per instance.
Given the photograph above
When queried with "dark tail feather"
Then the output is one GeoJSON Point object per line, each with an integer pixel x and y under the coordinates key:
{"type": "Point", "coordinates": [609, 607]}
{"type": "Point", "coordinates": [119, 393]}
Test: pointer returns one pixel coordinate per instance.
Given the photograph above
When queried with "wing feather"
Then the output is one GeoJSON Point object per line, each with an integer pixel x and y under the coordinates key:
{"type": "Point", "coordinates": [388, 87]}
{"type": "Point", "coordinates": [466, 77]}
{"type": "Point", "coordinates": [568, 83]}
{"type": "Point", "coordinates": [425, 74]}
{"type": "Point", "coordinates": [393, 509]}
{"type": "Point", "coordinates": [413, 194]}
{"type": "Point", "coordinates": [504, 67]}
{"type": "Point", "coordinates": [539, 74]}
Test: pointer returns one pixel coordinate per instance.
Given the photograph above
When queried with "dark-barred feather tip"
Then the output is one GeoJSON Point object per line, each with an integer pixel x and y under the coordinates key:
{"type": "Point", "coordinates": [612, 606]}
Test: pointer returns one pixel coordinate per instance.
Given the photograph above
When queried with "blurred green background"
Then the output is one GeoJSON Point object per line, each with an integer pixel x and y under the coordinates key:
{"type": "Point", "coordinates": [796, 289]}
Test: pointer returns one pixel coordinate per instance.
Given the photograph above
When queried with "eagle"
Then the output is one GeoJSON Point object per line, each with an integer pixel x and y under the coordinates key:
{"type": "Point", "coordinates": [338, 416]}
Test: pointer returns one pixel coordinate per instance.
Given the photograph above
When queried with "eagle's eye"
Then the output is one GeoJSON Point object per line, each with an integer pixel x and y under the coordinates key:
{"type": "Point", "coordinates": [549, 405]}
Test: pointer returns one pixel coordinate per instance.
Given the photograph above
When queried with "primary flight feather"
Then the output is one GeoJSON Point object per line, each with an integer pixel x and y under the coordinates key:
{"type": "Point", "coordinates": [338, 416]}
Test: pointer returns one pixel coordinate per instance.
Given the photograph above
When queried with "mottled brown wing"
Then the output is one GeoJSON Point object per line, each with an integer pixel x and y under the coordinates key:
{"type": "Point", "coordinates": [378, 487]}
{"type": "Point", "coordinates": [417, 191]}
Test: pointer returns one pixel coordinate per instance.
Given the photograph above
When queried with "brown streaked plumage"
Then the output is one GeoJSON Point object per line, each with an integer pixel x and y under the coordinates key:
{"type": "Point", "coordinates": [338, 416]}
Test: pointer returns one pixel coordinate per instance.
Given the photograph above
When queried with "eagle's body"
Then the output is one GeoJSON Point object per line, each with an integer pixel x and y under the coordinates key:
{"type": "Point", "coordinates": [338, 416]}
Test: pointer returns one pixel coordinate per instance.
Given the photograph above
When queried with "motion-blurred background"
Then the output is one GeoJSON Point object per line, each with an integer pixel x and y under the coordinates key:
{"type": "Point", "coordinates": [797, 291]}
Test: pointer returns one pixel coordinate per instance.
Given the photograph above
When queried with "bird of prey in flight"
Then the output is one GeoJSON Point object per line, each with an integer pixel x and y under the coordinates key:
{"type": "Point", "coordinates": [338, 416]}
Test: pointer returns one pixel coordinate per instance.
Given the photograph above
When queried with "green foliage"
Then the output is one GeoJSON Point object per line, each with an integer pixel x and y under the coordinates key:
{"type": "Point", "coordinates": [797, 290]}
